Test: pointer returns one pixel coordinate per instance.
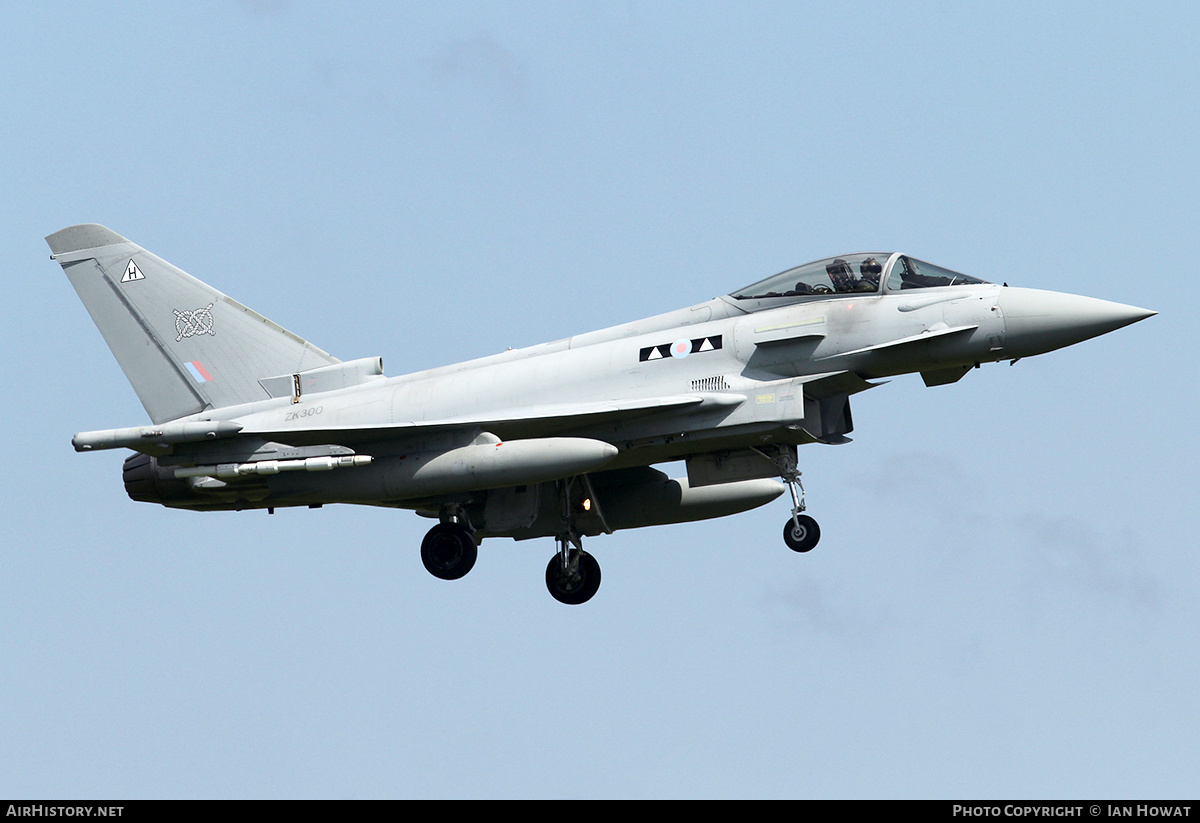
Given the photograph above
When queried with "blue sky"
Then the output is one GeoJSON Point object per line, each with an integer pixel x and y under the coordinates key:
{"type": "Point", "coordinates": [1003, 601]}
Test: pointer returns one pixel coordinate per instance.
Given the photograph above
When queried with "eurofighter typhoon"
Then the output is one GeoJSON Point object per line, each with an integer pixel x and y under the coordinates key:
{"type": "Point", "coordinates": [558, 440]}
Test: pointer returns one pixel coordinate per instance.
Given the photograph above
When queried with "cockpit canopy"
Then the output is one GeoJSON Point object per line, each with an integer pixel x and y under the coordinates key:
{"type": "Point", "coordinates": [863, 273]}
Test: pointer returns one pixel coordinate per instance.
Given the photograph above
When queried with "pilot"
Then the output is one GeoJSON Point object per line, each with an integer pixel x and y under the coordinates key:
{"type": "Point", "coordinates": [841, 275]}
{"type": "Point", "coordinates": [870, 269]}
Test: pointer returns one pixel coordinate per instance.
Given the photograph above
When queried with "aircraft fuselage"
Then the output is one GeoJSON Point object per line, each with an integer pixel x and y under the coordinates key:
{"type": "Point", "coordinates": [552, 440]}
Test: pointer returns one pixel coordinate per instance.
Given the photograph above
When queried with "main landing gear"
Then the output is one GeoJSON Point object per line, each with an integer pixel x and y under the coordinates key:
{"type": "Point", "coordinates": [573, 575]}
{"type": "Point", "coordinates": [449, 550]}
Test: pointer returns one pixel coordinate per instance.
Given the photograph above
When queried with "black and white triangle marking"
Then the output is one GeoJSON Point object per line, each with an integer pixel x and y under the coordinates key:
{"type": "Point", "coordinates": [132, 272]}
{"type": "Point", "coordinates": [681, 348]}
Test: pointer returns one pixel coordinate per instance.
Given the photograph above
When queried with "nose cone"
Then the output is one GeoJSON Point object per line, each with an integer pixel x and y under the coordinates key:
{"type": "Point", "coordinates": [1041, 321]}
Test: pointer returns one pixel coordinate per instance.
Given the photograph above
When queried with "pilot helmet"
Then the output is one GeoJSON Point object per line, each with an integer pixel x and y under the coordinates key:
{"type": "Point", "coordinates": [870, 268]}
{"type": "Point", "coordinates": [841, 274]}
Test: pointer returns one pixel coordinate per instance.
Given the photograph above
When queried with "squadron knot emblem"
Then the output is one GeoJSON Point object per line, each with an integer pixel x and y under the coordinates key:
{"type": "Point", "coordinates": [192, 323]}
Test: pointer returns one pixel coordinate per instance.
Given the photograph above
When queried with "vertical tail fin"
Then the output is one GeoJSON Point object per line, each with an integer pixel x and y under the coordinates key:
{"type": "Point", "coordinates": [183, 345]}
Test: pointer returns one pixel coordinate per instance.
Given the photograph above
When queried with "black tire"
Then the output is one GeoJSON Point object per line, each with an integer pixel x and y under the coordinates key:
{"type": "Point", "coordinates": [448, 551]}
{"type": "Point", "coordinates": [803, 539]}
{"type": "Point", "coordinates": [576, 589]}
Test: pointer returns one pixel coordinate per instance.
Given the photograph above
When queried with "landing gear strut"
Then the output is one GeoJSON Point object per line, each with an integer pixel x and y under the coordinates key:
{"type": "Point", "coordinates": [449, 551]}
{"type": "Point", "coordinates": [573, 575]}
{"type": "Point", "coordinates": [800, 532]}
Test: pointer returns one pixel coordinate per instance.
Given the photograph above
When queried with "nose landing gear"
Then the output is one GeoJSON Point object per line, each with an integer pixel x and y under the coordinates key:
{"type": "Point", "coordinates": [800, 532]}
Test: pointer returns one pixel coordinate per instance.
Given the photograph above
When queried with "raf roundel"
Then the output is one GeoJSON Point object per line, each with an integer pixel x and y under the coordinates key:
{"type": "Point", "coordinates": [681, 348]}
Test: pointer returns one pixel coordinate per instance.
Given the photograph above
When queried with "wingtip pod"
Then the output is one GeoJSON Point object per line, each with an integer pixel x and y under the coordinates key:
{"type": "Point", "coordinates": [82, 236]}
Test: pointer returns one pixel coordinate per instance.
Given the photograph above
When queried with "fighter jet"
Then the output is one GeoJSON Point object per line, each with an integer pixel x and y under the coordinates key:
{"type": "Point", "coordinates": [558, 440]}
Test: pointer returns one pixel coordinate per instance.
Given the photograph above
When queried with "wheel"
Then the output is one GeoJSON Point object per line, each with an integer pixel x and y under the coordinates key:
{"type": "Point", "coordinates": [577, 588]}
{"type": "Point", "coordinates": [448, 551]}
{"type": "Point", "coordinates": [804, 538]}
